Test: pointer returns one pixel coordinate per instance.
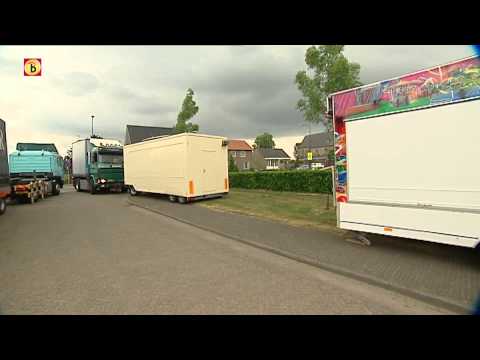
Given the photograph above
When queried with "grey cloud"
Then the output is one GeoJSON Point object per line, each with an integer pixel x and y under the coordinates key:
{"type": "Point", "coordinates": [384, 62]}
{"type": "Point", "coordinates": [265, 77]}
{"type": "Point", "coordinates": [242, 91]}
{"type": "Point", "coordinates": [77, 83]}
{"type": "Point", "coordinates": [151, 107]}
{"type": "Point", "coordinates": [247, 116]}
{"type": "Point", "coordinates": [250, 96]}
{"type": "Point", "coordinates": [140, 104]}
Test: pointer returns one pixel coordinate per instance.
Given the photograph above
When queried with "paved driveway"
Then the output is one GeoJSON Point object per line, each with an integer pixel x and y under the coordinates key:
{"type": "Point", "coordinates": [440, 274]}
{"type": "Point", "coordinates": [84, 254]}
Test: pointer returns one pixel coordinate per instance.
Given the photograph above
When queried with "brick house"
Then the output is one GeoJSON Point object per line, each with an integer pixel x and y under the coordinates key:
{"type": "Point", "coordinates": [319, 144]}
{"type": "Point", "coordinates": [241, 153]}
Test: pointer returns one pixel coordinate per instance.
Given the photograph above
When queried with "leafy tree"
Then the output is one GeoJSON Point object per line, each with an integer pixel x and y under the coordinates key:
{"type": "Point", "coordinates": [189, 110]}
{"type": "Point", "coordinates": [232, 167]}
{"type": "Point", "coordinates": [264, 141]}
{"type": "Point", "coordinates": [330, 72]}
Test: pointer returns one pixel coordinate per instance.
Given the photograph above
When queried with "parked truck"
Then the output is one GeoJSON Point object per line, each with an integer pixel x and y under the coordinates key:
{"type": "Point", "coordinates": [186, 167]}
{"type": "Point", "coordinates": [4, 172]}
{"type": "Point", "coordinates": [409, 167]}
{"type": "Point", "coordinates": [97, 165]}
{"type": "Point", "coordinates": [36, 170]}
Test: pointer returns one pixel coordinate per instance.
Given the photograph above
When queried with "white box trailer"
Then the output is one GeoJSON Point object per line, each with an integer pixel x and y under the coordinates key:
{"type": "Point", "coordinates": [407, 152]}
{"type": "Point", "coordinates": [186, 166]}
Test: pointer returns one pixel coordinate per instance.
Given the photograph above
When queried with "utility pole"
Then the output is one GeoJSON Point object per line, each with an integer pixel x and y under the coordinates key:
{"type": "Point", "coordinates": [309, 144]}
{"type": "Point", "coordinates": [92, 123]}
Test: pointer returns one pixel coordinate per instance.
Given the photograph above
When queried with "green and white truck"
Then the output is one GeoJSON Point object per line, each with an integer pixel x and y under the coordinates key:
{"type": "Point", "coordinates": [97, 165]}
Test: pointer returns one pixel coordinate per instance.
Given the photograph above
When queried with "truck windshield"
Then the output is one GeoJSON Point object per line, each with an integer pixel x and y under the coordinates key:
{"type": "Point", "coordinates": [116, 159]}
{"type": "Point", "coordinates": [36, 147]}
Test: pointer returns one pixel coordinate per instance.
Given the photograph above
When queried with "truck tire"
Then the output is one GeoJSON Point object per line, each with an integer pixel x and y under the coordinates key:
{"type": "Point", "coordinates": [55, 189]}
{"type": "Point", "coordinates": [76, 185]}
{"type": "Point", "coordinates": [172, 198]}
{"type": "Point", "coordinates": [182, 200]}
{"type": "Point", "coordinates": [93, 191]}
{"type": "Point", "coordinates": [132, 191]}
{"type": "Point", "coordinates": [3, 206]}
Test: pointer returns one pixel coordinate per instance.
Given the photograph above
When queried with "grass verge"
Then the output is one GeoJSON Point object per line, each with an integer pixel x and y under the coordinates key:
{"type": "Point", "coordinates": [297, 209]}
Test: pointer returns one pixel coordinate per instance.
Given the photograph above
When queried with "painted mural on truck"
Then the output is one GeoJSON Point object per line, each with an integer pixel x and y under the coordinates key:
{"type": "Point", "coordinates": [340, 160]}
{"type": "Point", "coordinates": [437, 86]}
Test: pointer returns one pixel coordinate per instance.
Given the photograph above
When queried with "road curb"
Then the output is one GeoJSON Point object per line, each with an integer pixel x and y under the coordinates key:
{"type": "Point", "coordinates": [430, 299]}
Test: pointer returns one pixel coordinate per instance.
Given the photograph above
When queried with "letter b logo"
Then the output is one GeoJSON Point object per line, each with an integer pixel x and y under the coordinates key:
{"type": "Point", "coordinates": [32, 67]}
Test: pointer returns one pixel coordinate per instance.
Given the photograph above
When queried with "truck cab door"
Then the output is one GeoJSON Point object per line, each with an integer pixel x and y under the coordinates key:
{"type": "Point", "coordinates": [93, 163]}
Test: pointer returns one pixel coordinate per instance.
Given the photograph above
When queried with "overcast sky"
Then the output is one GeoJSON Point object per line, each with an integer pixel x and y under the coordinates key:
{"type": "Point", "coordinates": [242, 91]}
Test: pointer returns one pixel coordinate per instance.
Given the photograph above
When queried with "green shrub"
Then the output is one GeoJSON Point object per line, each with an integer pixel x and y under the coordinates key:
{"type": "Point", "coordinates": [308, 181]}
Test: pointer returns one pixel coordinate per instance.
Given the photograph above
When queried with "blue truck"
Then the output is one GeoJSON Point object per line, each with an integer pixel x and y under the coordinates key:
{"type": "Point", "coordinates": [37, 161]}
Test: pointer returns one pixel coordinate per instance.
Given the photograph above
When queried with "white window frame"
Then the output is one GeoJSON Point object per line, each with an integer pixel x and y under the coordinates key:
{"type": "Point", "coordinates": [234, 154]}
{"type": "Point", "coordinates": [273, 164]}
{"type": "Point", "coordinates": [243, 154]}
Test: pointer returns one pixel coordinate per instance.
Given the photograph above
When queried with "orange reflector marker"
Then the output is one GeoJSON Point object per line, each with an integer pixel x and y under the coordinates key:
{"type": "Point", "coordinates": [226, 183]}
{"type": "Point", "coordinates": [190, 187]}
{"type": "Point", "coordinates": [389, 229]}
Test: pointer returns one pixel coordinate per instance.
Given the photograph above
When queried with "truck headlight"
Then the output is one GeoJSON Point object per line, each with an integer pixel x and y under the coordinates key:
{"type": "Point", "coordinates": [103, 181]}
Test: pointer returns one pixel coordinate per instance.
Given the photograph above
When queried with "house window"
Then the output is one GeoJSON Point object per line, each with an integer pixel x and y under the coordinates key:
{"type": "Point", "coordinates": [243, 154]}
{"type": "Point", "coordinates": [234, 154]}
{"type": "Point", "coordinates": [246, 165]}
{"type": "Point", "coordinates": [272, 163]}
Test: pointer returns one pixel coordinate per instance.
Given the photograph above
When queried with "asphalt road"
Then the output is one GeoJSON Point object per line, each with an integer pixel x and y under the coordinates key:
{"type": "Point", "coordinates": [83, 254]}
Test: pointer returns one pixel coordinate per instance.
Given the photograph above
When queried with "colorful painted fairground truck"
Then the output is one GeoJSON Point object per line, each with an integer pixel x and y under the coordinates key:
{"type": "Point", "coordinates": [4, 173]}
{"type": "Point", "coordinates": [97, 165]}
{"type": "Point", "coordinates": [36, 171]}
{"type": "Point", "coordinates": [407, 152]}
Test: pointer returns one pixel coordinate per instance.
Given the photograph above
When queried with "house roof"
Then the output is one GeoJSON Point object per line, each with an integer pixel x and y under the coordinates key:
{"type": "Point", "coordinates": [239, 145]}
{"type": "Point", "coordinates": [316, 140]}
{"type": "Point", "coordinates": [273, 153]}
{"type": "Point", "coordinates": [138, 133]}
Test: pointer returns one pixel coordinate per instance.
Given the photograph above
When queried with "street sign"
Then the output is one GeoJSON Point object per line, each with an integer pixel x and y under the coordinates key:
{"type": "Point", "coordinates": [309, 156]}
{"type": "Point", "coordinates": [32, 67]}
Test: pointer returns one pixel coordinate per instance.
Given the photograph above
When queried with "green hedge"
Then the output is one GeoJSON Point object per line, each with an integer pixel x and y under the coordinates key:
{"type": "Point", "coordinates": [308, 181]}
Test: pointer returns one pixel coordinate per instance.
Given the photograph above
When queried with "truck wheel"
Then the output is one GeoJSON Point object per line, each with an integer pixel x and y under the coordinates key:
{"type": "Point", "coordinates": [3, 206]}
{"type": "Point", "coordinates": [182, 200]}
{"type": "Point", "coordinates": [55, 190]}
{"type": "Point", "coordinates": [76, 185]}
{"type": "Point", "coordinates": [172, 198]}
{"type": "Point", "coordinates": [93, 191]}
{"type": "Point", "coordinates": [132, 191]}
